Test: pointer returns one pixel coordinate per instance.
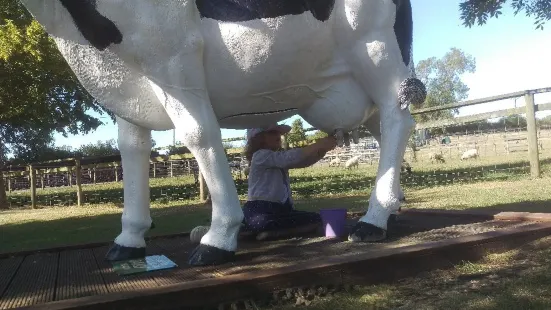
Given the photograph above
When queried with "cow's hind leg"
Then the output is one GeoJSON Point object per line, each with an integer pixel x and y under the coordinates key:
{"type": "Point", "coordinates": [380, 68]}
{"type": "Point", "coordinates": [135, 147]}
{"type": "Point", "coordinates": [373, 124]}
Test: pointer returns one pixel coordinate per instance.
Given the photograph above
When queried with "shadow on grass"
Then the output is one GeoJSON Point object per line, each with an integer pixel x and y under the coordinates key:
{"type": "Point", "coordinates": [538, 206]}
{"type": "Point", "coordinates": [95, 228]}
{"type": "Point", "coordinates": [169, 220]}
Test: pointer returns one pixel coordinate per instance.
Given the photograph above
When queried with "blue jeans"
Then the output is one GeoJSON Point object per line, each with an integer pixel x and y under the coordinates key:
{"type": "Point", "coordinates": [268, 216]}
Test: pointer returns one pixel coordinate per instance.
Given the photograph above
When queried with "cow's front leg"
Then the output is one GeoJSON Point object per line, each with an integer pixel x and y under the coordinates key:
{"type": "Point", "coordinates": [379, 65]}
{"type": "Point", "coordinates": [190, 110]}
{"type": "Point", "coordinates": [135, 147]}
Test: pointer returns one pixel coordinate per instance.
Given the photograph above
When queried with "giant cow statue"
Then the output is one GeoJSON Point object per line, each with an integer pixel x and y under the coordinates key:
{"type": "Point", "coordinates": [202, 65]}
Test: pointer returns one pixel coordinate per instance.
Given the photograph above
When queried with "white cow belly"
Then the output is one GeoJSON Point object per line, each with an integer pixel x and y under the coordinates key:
{"type": "Point", "coordinates": [264, 71]}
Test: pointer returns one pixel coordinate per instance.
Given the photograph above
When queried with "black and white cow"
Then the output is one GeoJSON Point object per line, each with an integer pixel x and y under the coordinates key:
{"type": "Point", "coordinates": [201, 65]}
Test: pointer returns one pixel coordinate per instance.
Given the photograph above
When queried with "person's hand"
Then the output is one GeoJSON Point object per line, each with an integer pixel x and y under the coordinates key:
{"type": "Point", "coordinates": [328, 143]}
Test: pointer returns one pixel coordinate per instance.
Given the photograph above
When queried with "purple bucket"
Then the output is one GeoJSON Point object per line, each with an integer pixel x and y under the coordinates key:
{"type": "Point", "coordinates": [334, 222]}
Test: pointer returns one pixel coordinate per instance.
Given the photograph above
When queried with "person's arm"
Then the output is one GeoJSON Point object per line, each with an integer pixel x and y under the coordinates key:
{"type": "Point", "coordinates": [280, 159]}
{"type": "Point", "coordinates": [317, 151]}
{"type": "Point", "coordinates": [296, 158]}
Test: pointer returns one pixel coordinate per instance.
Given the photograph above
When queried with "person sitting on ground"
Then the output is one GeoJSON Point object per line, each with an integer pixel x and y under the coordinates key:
{"type": "Point", "coordinates": [269, 211]}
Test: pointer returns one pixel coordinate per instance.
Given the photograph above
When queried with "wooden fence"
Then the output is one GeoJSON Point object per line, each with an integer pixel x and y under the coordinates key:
{"type": "Point", "coordinates": [37, 173]}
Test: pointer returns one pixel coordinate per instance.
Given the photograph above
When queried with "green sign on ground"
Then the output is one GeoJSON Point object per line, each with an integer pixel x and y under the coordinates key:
{"type": "Point", "coordinates": [147, 264]}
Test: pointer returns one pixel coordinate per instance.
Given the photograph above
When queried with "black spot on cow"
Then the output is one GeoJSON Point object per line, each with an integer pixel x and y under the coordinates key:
{"type": "Point", "coordinates": [245, 10]}
{"type": "Point", "coordinates": [96, 28]}
{"type": "Point", "coordinates": [403, 28]}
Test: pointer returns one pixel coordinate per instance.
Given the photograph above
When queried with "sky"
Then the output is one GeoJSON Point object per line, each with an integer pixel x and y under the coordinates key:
{"type": "Point", "coordinates": [511, 55]}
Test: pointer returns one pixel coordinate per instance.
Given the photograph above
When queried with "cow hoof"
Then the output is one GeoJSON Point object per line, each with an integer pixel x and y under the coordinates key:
{"type": "Point", "coordinates": [393, 218]}
{"type": "Point", "coordinates": [364, 232]}
{"type": "Point", "coordinates": [152, 225]}
{"type": "Point", "coordinates": [119, 252]}
{"type": "Point", "coordinates": [206, 255]}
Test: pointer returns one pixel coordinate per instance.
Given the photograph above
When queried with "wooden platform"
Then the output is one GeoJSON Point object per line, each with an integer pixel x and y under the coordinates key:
{"type": "Point", "coordinates": [79, 278]}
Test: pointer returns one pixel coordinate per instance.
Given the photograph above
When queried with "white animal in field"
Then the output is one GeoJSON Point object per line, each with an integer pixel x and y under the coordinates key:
{"type": "Point", "coordinates": [352, 162]}
{"type": "Point", "coordinates": [472, 153]}
{"type": "Point", "coordinates": [335, 162]}
{"type": "Point", "coordinates": [197, 66]}
{"type": "Point", "coordinates": [436, 157]}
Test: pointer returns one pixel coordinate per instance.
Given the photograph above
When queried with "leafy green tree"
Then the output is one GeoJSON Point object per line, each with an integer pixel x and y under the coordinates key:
{"type": "Point", "coordinates": [48, 153]}
{"type": "Point", "coordinates": [176, 150]}
{"type": "Point", "coordinates": [100, 148]}
{"type": "Point", "coordinates": [545, 121]}
{"type": "Point", "coordinates": [442, 78]}
{"type": "Point", "coordinates": [297, 135]}
{"type": "Point", "coordinates": [478, 11]}
{"type": "Point", "coordinates": [39, 94]}
{"type": "Point", "coordinates": [515, 121]}
{"type": "Point", "coordinates": [317, 135]}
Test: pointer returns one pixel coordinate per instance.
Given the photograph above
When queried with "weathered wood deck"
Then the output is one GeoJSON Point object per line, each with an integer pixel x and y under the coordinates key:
{"type": "Point", "coordinates": [78, 277]}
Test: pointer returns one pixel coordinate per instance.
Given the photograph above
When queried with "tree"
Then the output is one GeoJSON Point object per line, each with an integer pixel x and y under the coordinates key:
{"type": "Point", "coordinates": [48, 153]}
{"type": "Point", "coordinates": [478, 11]}
{"type": "Point", "coordinates": [317, 135]}
{"type": "Point", "coordinates": [546, 121]}
{"type": "Point", "coordinates": [100, 148]}
{"type": "Point", "coordinates": [297, 135]}
{"type": "Point", "coordinates": [515, 121]}
{"type": "Point", "coordinates": [39, 94]}
{"type": "Point", "coordinates": [442, 78]}
{"type": "Point", "coordinates": [177, 150]}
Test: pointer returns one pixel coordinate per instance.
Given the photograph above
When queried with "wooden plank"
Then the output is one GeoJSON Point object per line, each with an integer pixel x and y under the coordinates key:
{"type": "Point", "coordinates": [116, 283]}
{"type": "Point", "coordinates": [481, 100]}
{"type": "Point", "coordinates": [202, 187]}
{"type": "Point", "coordinates": [32, 180]}
{"type": "Point", "coordinates": [178, 250]}
{"type": "Point", "coordinates": [480, 117]}
{"type": "Point", "coordinates": [78, 174]}
{"type": "Point", "coordinates": [367, 267]}
{"type": "Point", "coordinates": [34, 282]}
{"type": "Point", "coordinates": [78, 275]}
{"type": "Point", "coordinates": [82, 246]}
{"type": "Point", "coordinates": [8, 268]}
{"type": "Point", "coordinates": [533, 151]}
{"type": "Point", "coordinates": [470, 118]}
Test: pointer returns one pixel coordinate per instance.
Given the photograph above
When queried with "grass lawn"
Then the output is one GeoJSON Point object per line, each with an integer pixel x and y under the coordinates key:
{"type": "Point", "coordinates": [24, 229]}
{"type": "Point", "coordinates": [518, 279]}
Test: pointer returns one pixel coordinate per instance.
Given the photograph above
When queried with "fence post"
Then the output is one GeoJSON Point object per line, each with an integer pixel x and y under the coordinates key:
{"type": "Point", "coordinates": [533, 151]}
{"type": "Point", "coordinates": [94, 173]}
{"type": "Point", "coordinates": [32, 180]}
{"type": "Point", "coordinates": [42, 181]}
{"type": "Point", "coordinates": [154, 170]}
{"type": "Point", "coordinates": [171, 168]}
{"type": "Point", "coordinates": [202, 187]}
{"type": "Point", "coordinates": [78, 174]}
{"type": "Point", "coordinates": [9, 183]}
{"type": "Point", "coordinates": [116, 172]}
